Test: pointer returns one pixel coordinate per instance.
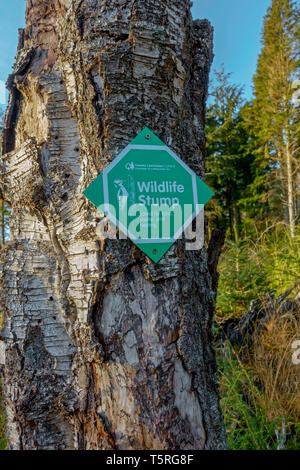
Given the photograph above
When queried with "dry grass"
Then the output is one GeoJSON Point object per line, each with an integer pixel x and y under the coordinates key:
{"type": "Point", "coordinates": [271, 361]}
{"type": "Point", "coordinates": [260, 385]}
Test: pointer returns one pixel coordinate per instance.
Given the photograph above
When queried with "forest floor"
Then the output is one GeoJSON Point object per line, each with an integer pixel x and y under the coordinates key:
{"type": "Point", "coordinates": [260, 388]}
{"type": "Point", "coordinates": [259, 370]}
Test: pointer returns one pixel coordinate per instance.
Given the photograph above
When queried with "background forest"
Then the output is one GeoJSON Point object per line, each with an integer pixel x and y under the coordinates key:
{"type": "Point", "coordinates": [253, 167]}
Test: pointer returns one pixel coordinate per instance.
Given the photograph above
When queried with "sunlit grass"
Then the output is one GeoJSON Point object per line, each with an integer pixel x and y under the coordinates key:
{"type": "Point", "coordinates": [260, 388]}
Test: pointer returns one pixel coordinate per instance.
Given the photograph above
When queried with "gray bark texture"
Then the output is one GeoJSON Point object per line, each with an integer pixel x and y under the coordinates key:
{"type": "Point", "coordinates": [100, 348]}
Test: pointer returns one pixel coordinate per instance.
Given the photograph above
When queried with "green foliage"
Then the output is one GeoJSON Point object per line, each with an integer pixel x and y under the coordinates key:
{"type": "Point", "coordinates": [242, 278]}
{"type": "Point", "coordinates": [246, 424]}
{"type": "Point", "coordinates": [248, 269]}
{"type": "Point", "coordinates": [277, 64]}
{"type": "Point", "coordinates": [229, 170]}
{"type": "Point", "coordinates": [2, 430]}
{"type": "Point", "coordinates": [274, 120]}
{"type": "Point", "coordinates": [243, 406]}
{"type": "Point", "coordinates": [280, 257]}
{"type": "Point", "coordinates": [253, 148]}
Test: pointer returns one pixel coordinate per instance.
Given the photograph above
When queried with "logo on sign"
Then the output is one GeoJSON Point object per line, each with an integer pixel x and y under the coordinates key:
{"type": "Point", "coordinates": [129, 166]}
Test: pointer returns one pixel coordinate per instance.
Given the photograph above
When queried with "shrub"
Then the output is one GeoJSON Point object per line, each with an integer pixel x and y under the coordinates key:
{"type": "Point", "coordinates": [249, 423]}
{"type": "Point", "coordinates": [260, 386]}
{"type": "Point", "coordinates": [249, 269]}
{"type": "Point", "coordinates": [242, 278]}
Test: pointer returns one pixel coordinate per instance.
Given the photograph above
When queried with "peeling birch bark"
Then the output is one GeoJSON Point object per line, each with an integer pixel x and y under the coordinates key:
{"type": "Point", "coordinates": [100, 348]}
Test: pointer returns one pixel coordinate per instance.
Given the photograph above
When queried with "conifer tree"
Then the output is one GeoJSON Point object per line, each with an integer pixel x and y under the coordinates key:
{"type": "Point", "coordinates": [229, 161]}
{"type": "Point", "coordinates": [275, 116]}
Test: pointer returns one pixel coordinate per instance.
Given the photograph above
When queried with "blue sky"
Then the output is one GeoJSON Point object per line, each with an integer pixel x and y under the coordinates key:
{"type": "Point", "coordinates": [237, 23]}
{"type": "Point", "coordinates": [12, 17]}
{"type": "Point", "coordinates": [237, 35]}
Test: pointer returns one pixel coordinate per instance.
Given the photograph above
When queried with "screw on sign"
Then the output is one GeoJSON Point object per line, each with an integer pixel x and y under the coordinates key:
{"type": "Point", "coordinates": [150, 194]}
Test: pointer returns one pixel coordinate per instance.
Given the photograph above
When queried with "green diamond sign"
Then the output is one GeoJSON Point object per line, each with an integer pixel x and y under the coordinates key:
{"type": "Point", "coordinates": [150, 194]}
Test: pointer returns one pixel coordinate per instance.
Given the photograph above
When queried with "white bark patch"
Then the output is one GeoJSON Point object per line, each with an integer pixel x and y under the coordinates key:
{"type": "Point", "coordinates": [112, 307]}
{"type": "Point", "coordinates": [187, 402]}
{"type": "Point", "coordinates": [130, 343]}
{"type": "Point", "coordinates": [119, 405]}
{"type": "Point", "coordinates": [21, 173]}
{"type": "Point", "coordinates": [2, 353]}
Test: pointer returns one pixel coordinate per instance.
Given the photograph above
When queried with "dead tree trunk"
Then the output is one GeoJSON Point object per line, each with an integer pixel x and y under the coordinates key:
{"type": "Point", "coordinates": [2, 222]}
{"type": "Point", "coordinates": [101, 349]}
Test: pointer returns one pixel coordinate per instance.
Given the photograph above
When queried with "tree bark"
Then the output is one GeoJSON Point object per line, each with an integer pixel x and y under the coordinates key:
{"type": "Point", "coordinates": [290, 192]}
{"type": "Point", "coordinates": [101, 349]}
{"type": "Point", "coordinates": [2, 222]}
